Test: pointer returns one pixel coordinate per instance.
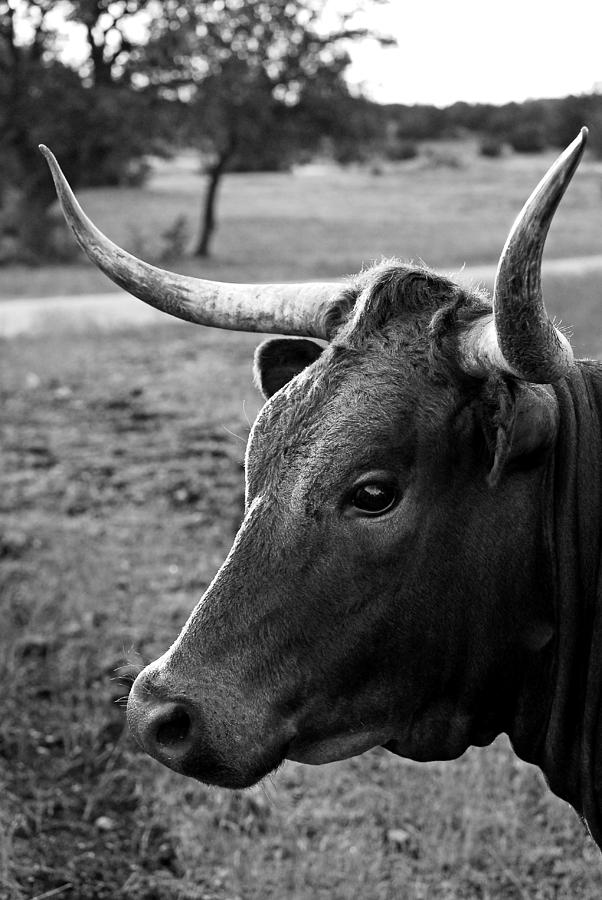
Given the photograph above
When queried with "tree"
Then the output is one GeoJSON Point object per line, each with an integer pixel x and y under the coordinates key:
{"type": "Point", "coordinates": [234, 120]}
{"type": "Point", "coordinates": [107, 26]}
{"type": "Point", "coordinates": [246, 69]}
{"type": "Point", "coordinates": [29, 86]}
{"type": "Point", "coordinates": [92, 118]}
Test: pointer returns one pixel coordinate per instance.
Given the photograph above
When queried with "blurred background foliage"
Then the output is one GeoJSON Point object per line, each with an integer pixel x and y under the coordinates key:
{"type": "Point", "coordinates": [253, 85]}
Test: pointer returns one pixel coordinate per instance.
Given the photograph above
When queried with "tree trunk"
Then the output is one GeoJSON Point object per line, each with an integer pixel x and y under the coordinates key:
{"type": "Point", "coordinates": [208, 218]}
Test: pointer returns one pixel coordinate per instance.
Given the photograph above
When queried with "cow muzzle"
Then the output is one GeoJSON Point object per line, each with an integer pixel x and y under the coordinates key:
{"type": "Point", "coordinates": [192, 738]}
{"type": "Point", "coordinates": [170, 730]}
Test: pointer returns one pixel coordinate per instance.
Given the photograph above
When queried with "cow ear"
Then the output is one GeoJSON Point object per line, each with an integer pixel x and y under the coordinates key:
{"type": "Point", "coordinates": [525, 425]}
{"type": "Point", "coordinates": [280, 359]}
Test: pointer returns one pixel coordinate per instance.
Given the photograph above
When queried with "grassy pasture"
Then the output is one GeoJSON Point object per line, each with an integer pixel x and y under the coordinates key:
{"type": "Point", "coordinates": [120, 492]}
{"type": "Point", "coordinates": [331, 222]}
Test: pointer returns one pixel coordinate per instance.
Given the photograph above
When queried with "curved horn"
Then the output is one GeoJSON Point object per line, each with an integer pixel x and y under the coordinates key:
{"type": "Point", "coordinates": [520, 339]}
{"type": "Point", "coordinates": [297, 309]}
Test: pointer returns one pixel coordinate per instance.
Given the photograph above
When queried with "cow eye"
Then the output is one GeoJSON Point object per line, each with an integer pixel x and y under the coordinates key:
{"type": "Point", "coordinates": [374, 499]}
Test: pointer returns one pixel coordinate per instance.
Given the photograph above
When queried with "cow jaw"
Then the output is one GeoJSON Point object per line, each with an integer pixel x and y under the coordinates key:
{"type": "Point", "coordinates": [342, 746]}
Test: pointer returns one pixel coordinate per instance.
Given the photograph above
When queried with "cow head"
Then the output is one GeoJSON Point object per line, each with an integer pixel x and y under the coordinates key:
{"type": "Point", "coordinates": [369, 597]}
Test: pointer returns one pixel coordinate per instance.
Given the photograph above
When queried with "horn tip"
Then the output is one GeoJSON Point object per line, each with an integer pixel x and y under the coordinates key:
{"type": "Point", "coordinates": [583, 134]}
{"type": "Point", "coordinates": [48, 156]}
{"type": "Point", "coordinates": [62, 188]}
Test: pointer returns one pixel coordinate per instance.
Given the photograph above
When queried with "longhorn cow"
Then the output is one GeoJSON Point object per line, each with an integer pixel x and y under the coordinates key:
{"type": "Point", "coordinates": [419, 562]}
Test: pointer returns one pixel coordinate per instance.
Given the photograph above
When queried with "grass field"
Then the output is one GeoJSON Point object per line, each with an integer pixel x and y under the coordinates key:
{"type": "Point", "coordinates": [121, 487]}
{"type": "Point", "coordinates": [331, 222]}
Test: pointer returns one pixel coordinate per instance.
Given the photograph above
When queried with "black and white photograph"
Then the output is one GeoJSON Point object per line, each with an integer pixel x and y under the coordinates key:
{"type": "Point", "coordinates": [300, 450]}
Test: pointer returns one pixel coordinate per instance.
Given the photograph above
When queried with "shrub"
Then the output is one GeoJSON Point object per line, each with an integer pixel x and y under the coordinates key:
{"type": "Point", "coordinates": [398, 151]}
{"type": "Point", "coordinates": [159, 247]}
{"type": "Point", "coordinates": [175, 238]}
{"type": "Point", "coordinates": [491, 147]}
{"type": "Point", "coordinates": [444, 158]}
{"type": "Point", "coordinates": [348, 152]}
{"type": "Point", "coordinates": [527, 138]}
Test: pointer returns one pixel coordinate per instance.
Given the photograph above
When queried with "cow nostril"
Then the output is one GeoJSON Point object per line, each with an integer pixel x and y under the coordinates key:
{"type": "Point", "coordinates": [174, 729]}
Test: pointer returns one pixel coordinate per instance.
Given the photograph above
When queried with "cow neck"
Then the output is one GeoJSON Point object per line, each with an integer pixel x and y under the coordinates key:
{"type": "Point", "coordinates": [572, 749]}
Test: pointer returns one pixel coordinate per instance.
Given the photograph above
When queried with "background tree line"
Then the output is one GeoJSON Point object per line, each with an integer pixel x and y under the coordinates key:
{"type": "Point", "coordinates": [528, 127]}
{"type": "Point", "coordinates": [253, 84]}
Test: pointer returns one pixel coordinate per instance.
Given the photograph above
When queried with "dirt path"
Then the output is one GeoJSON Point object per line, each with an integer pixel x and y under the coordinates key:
{"type": "Point", "coordinates": [75, 313]}
{"type": "Point", "coordinates": [113, 310]}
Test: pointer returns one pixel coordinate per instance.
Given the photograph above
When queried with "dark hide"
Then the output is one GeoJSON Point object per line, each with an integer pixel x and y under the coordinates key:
{"type": "Point", "coordinates": [570, 750]}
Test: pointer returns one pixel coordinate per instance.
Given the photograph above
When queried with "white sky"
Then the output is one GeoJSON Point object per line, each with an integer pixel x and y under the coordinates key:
{"type": "Point", "coordinates": [487, 51]}
{"type": "Point", "coordinates": [474, 50]}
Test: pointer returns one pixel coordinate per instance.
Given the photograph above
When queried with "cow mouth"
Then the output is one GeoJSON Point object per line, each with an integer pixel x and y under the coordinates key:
{"type": "Point", "coordinates": [238, 776]}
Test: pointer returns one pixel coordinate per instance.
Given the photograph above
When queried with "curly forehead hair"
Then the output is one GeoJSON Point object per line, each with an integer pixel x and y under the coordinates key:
{"type": "Point", "coordinates": [396, 304]}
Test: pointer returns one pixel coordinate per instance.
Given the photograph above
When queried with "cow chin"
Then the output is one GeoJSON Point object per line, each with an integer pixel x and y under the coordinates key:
{"type": "Point", "coordinates": [331, 749]}
{"type": "Point", "coordinates": [210, 768]}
